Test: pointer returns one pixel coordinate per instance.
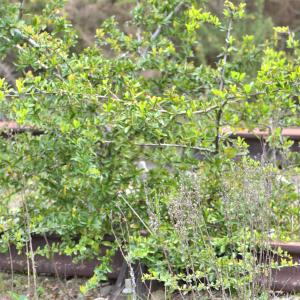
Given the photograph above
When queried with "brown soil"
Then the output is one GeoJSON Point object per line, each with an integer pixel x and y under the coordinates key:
{"type": "Point", "coordinates": [48, 288]}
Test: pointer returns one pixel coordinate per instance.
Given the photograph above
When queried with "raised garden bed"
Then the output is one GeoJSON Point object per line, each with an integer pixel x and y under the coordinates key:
{"type": "Point", "coordinates": [59, 265]}
{"type": "Point", "coordinates": [287, 279]}
{"type": "Point", "coordinates": [256, 139]}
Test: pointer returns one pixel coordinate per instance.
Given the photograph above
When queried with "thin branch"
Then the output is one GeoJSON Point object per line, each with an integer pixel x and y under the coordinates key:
{"type": "Point", "coordinates": [229, 100]}
{"type": "Point", "coordinates": [17, 46]}
{"type": "Point", "coordinates": [58, 93]}
{"type": "Point", "coordinates": [31, 250]}
{"type": "Point", "coordinates": [138, 216]}
{"type": "Point", "coordinates": [34, 44]}
{"type": "Point", "coordinates": [139, 32]}
{"type": "Point", "coordinates": [21, 9]}
{"type": "Point", "coordinates": [232, 99]}
{"type": "Point", "coordinates": [163, 145]}
{"type": "Point", "coordinates": [159, 145]}
{"type": "Point", "coordinates": [221, 87]}
{"type": "Point", "coordinates": [156, 33]}
{"type": "Point", "coordinates": [197, 112]}
{"type": "Point", "coordinates": [222, 80]}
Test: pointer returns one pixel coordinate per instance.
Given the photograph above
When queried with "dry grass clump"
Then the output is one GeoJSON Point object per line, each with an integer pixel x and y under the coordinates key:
{"type": "Point", "coordinates": [230, 234]}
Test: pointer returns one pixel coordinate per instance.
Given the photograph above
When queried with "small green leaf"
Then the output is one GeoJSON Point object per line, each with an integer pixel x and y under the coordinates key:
{"type": "Point", "coordinates": [19, 85]}
{"type": "Point", "coordinates": [1, 96]}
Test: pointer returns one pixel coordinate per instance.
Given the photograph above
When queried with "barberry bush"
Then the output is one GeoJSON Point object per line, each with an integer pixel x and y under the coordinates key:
{"type": "Point", "coordinates": [107, 136]}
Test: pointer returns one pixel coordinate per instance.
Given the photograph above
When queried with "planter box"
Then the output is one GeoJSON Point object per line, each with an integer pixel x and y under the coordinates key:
{"type": "Point", "coordinates": [287, 279]}
{"type": "Point", "coordinates": [256, 140]}
{"type": "Point", "coordinates": [59, 265]}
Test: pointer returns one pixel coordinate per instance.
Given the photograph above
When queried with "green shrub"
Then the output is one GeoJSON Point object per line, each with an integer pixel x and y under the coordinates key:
{"type": "Point", "coordinates": [149, 101]}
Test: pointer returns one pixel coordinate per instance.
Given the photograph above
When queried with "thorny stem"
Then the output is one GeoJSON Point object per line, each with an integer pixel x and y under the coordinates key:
{"type": "Point", "coordinates": [222, 80]}
{"type": "Point", "coordinates": [221, 87]}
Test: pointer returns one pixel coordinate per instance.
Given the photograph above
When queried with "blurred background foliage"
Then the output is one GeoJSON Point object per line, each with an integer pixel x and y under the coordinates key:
{"type": "Point", "coordinates": [87, 15]}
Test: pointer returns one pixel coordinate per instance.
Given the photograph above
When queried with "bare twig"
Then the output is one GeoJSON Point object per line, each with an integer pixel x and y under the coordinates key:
{"type": "Point", "coordinates": [202, 111]}
{"type": "Point", "coordinates": [137, 215]}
